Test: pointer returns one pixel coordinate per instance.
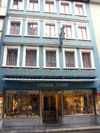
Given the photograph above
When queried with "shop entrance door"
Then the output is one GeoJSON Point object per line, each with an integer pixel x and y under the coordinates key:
{"type": "Point", "coordinates": [50, 107]}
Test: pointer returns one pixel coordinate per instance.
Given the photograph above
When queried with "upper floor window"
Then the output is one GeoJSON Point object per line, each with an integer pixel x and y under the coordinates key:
{"type": "Point", "coordinates": [70, 58]}
{"type": "Point", "coordinates": [80, 9]}
{"type": "Point", "coordinates": [83, 32]}
{"type": "Point", "coordinates": [32, 29]}
{"type": "Point", "coordinates": [50, 6]}
{"type": "Point", "coordinates": [11, 56]}
{"type": "Point", "coordinates": [68, 30]}
{"type": "Point", "coordinates": [0, 2]}
{"type": "Point", "coordinates": [17, 4]}
{"type": "Point", "coordinates": [33, 5]}
{"type": "Point", "coordinates": [87, 59]}
{"type": "Point", "coordinates": [65, 7]}
{"type": "Point", "coordinates": [50, 29]}
{"type": "Point", "coordinates": [14, 26]}
{"type": "Point", "coordinates": [31, 57]}
{"type": "Point", "coordinates": [51, 58]}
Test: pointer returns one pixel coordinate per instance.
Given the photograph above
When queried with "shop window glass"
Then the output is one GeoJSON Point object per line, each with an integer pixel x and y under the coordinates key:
{"type": "Point", "coordinates": [59, 104]}
{"type": "Point", "coordinates": [22, 105]}
{"type": "Point", "coordinates": [97, 103]}
{"type": "Point", "coordinates": [78, 103]}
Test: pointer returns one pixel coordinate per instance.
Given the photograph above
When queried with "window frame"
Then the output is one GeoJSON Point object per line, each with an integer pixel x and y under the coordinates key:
{"type": "Point", "coordinates": [24, 57]}
{"type": "Point", "coordinates": [11, 5]}
{"type": "Point", "coordinates": [14, 20]}
{"type": "Point", "coordinates": [5, 56]}
{"type": "Point", "coordinates": [38, 27]}
{"type": "Point", "coordinates": [83, 25]}
{"type": "Point", "coordinates": [54, 6]}
{"type": "Point", "coordinates": [72, 29]}
{"type": "Point", "coordinates": [75, 58]}
{"type": "Point", "coordinates": [84, 8]}
{"type": "Point", "coordinates": [91, 59]}
{"type": "Point", "coordinates": [65, 2]}
{"type": "Point", "coordinates": [51, 23]}
{"type": "Point", "coordinates": [44, 57]}
{"type": "Point", "coordinates": [28, 3]}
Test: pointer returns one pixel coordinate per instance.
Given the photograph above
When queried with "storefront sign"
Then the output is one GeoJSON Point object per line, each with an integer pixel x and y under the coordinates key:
{"type": "Point", "coordinates": [22, 91]}
{"type": "Point", "coordinates": [77, 91]}
{"type": "Point", "coordinates": [1, 95]}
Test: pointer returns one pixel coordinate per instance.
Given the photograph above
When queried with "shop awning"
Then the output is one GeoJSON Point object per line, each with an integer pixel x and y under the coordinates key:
{"type": "Point", "coordinates": [48, 80]}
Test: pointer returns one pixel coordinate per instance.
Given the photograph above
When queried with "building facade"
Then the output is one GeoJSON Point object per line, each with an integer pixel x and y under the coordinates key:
{"type": "Point", "coordinates": [44, 80]}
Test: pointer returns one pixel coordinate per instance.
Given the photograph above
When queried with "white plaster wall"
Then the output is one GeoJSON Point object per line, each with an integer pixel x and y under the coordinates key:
{"type": "Point", "coordinates": [3, 7]}
{"type": "Point", "coordinates": [95, 12]}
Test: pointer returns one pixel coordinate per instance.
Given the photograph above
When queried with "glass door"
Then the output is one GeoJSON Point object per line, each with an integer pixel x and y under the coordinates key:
{"type": "Point", "coordinates": [49, 107]}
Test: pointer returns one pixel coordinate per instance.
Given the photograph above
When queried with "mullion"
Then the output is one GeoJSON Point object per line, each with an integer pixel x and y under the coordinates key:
{"type": "Point", "coordinates": [12, 57]}
{"type": "Point", "coordinates": [15, 29]}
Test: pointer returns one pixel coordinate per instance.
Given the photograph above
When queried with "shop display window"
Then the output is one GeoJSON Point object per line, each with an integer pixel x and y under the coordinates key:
{"type": "Point", "coordinates": [97, 103]}
{"type": "Point", "coordinates": [59, 104]}
{"type": "Point", "coordinates": [78, 103]}
{"type": "Point", "coordinates": [1, 107]}
{"type": "Point", "coordinates": [22, 105]}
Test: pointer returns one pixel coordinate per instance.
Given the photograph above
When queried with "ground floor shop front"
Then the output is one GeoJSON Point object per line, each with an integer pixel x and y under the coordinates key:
{"type": "Point", "coordinates": [38, 107]}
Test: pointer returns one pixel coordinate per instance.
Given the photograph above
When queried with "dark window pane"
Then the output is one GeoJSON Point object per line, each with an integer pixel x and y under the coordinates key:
{"type": "Point", "coordinates": [47, 58]}
{"type": "Point", "coordinates": [30, 58]}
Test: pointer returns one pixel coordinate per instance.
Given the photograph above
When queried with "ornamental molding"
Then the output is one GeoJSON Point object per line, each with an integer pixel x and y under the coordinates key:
{"type": "Point", "coordinates": [10, 69]}
{"type": "Point", "coordinates": [31, 69]}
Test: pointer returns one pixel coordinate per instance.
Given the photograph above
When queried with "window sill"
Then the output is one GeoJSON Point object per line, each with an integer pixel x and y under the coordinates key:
{"type": "Point", "coordinates": [51, 68]}
{"type": "Point", "coordinates": [87, 40]}
{"type": "Point", "coordinates": [50, 37]}
{"type": "Point", "coordinates": [33, 11]}
{"type": "Point", "coordinates": [16, 9]}
{"type": "Point", "coordinates": [31, 36]}
{"type": "Point", "coordinates": [80, 15]}
{"type": "Point", "coordinates": [88, 68]}
{"type": "Point", "coordinates": [65, 14]}
{"type": "Point", "coordinates": [70, 68]}
{"type": "Point", "coordinates": [13, 35]}
{"type": "Point", "coordinates": [70, 38]}
{"type": "Point", "coordinates": [10, 66]}
{"type": "Point", "coordinates": [30, 67]}
{"type": "Point", "coordinates": [50, 12]}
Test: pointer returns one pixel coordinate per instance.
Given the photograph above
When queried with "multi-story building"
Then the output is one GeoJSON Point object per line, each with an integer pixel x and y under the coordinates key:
{"type": "Point", "coordinates": [44, 80]}
{"type": "Point", "coordinates": [3, 7]}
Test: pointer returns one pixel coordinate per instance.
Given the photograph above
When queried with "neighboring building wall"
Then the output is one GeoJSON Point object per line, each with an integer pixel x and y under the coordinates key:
{"type": "Point", "coordinates": [95, 11]}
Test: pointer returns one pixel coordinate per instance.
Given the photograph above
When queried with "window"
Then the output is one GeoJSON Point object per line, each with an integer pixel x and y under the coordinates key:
{"type": "Point", "coordinates": [17, 4]}
{"type": "Point", "coordinates": [83, 31]}
{"type": "Point", "coordinates": [51, 58]}
{"type": "Point", "coordinates": [80, 9]}
{"type": "Point", "coordinates": [22, 104]}
{"type": "Point", "coordinates": [0, 2]}
{"type": "Point", "coordinates": [31, 57]}
{"type": "Point", "coordinates": [65, 7]}
{"type": "Point", "coordinates": [78, 102]}
{"type": "Point", "coordinates": [70, 58]}
{"type": "Point", "coordinates": [50, 29]}
{"type": "Point", "coordinates": [32, 29]}
{"type": "Point", "coordinates": [11, 56]}
{"type": "Point", "coordinates": [87, 61]}
{"type": "Point", "coordinates": [33, 5]}
{"type": "Point", "coordinates": [14, 27]}
{"type": "Point", "coordinates": [50, 5]}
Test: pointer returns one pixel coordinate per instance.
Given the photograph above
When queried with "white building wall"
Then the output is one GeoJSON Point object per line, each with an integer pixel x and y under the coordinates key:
{"type": "Point", "coordinates": [95, 11]}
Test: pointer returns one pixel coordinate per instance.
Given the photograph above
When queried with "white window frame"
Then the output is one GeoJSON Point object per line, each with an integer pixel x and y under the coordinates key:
{"type": "Point", "coordinates": [84, 9]}
{"type": "Point", "coordinates": [75, 58]}
{"type": "Point", "coordinates": [33, 10]}
{"type": "Point", "coordinates": [84, 25]}
{"type": "Point", "coordinates": [51, 22]}
{"type": "Point", "coordinates": [91, 58]}
{"type": "Point", "coordinates": [32, 21]}
{"type": "Point", "coordinates": [72, 27]}
{"type": "Point", "coordinates": [24, 56]}
{"type": "Point", "coordinates": [11, 5]}
{"type": "Point", "coordinates": [9, 23]}
{"type": "Point", "coordinates": [54, 5]}
{"type": "Point", "coordinates": [65, 2]}
{"type": "Point", "coordinates": [5, 56]}
{"type": "Point", "coordinates": [44, 57]}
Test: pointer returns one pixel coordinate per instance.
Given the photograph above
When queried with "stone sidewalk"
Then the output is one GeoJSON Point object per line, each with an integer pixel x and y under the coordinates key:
{"type": "Point", "coordinates": [50, 128]}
